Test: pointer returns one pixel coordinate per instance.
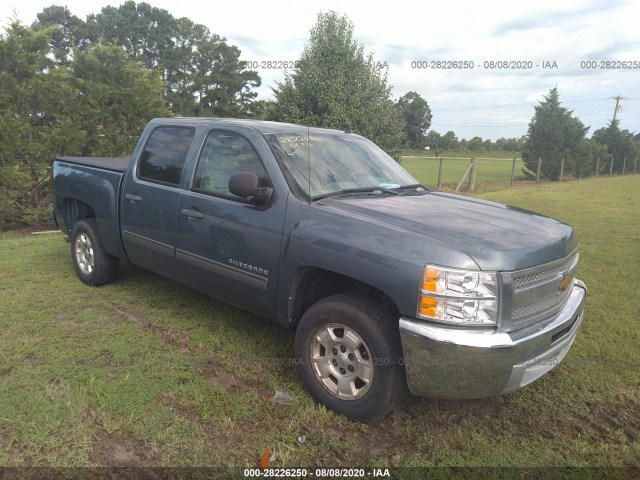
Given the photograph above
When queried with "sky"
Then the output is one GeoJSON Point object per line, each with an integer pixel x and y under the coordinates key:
{"type": "Point", "coordinates": [548, 42]}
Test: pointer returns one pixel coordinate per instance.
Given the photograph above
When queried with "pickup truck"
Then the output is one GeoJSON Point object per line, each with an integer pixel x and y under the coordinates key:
{"type": "Point", "coordinates": [387, 283]}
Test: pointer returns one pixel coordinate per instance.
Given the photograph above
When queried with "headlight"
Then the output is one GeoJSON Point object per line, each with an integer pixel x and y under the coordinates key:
{"type": "Point", "coordinates": [461, 297]}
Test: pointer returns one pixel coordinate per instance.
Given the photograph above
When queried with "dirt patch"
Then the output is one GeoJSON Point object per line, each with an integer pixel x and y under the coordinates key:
{"type": "Point", "coordinates": [601, 420]}
{"type": "Point", "coordinates": [456, 411]}
{"type": "Point", "coordinates": [176, 338]}
{"type": "Point", "coordinates": [114, 450]}
{"type": "Point", "coordinates": [387, 442]}
{"type": "Point", "coordinates": [351, 443]}
{"type": "Point", "coordinates": [227, 381]}
{"type": "Point", "coordinates": [5, 439]}
{"type": "Point", "coordinates": [170, 336]}
{"type": "Point", "coordinates": [223, 434]}
{"type": "Point", "coordinates": [188, 412]}
{"type": "Point", "coordinates": [347, 443]}
{"type": "Point", "coordinates": [123, 313]}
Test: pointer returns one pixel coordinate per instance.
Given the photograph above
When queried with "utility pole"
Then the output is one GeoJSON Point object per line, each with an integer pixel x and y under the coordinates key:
{"type": "Point", "coordinates": [617, 98]}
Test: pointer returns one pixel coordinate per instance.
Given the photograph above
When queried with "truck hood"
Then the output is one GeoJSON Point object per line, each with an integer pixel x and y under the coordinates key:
{"type": "Point", "coordinates": [495, 236]}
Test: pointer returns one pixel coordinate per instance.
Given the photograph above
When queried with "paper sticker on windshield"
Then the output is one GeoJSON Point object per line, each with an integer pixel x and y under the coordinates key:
{"type": "Point", "coordinates": [389, 185]}
{"type": "Point", "coordinates": [299, 143]}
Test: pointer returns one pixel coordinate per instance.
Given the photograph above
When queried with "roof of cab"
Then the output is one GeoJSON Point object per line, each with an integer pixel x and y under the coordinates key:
{"type": "Point", "coordinates": [262, 126]}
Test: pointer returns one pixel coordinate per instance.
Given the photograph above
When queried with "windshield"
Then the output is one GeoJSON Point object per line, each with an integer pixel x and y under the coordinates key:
{"type": "Point", "coordinates": [339, 162]}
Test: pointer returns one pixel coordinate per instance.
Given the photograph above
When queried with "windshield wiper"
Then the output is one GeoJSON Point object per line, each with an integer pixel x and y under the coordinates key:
{"type": "Point", "coordinates": [357, 190]}
{"type": "Point", "coordinates": [413, 186]}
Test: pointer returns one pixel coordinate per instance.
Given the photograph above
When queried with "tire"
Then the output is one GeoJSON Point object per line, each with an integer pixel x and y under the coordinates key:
{"type": "Point", "coordinates": [93, 265]}
{"type": "Point", "coordinates": [357, 369]}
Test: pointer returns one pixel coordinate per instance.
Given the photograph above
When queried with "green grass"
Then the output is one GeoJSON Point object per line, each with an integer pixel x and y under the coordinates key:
{"type": "Point", "coordinates": [490, 174]}
{"type": "Point", "coordinates": [147, 372]}
{"type": "Point", "coordinates": [462, 153]}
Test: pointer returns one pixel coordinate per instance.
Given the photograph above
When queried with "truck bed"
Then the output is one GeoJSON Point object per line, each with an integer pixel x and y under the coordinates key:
{"type": "Point", "coordinates": [91, 183]}
{"type": "Point", "coordinates": [115, 164]}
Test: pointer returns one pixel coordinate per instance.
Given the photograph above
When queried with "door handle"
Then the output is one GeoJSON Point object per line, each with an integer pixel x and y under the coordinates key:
{"type": "Point", "coordinates": [133, 197]}
{"type": "Point", "coordinates": [192, 213]}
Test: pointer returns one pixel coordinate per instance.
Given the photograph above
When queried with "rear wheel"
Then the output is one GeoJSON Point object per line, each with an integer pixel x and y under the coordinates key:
{"type": "Point", "coordinates": [349, 356]}
{"type": "Point", "coordinates": [93, 265]}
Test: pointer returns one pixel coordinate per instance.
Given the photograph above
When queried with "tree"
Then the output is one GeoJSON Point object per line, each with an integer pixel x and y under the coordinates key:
{"type": "Point", "coordinates": [36, 102]}
{"type": "Point", "coordinates": [71, 32]}
{"type": "Point", "coordinates": [553, 134]}
{"type": "Point", "coordinates": [449, 141]}
{"type": "Point", "coordinates": [417, 118]}
{"type": "Point", "coordinates": [202, 73]}
{"type": "Point", "coordinates": [619, 144]}
{"type": "Point", "coordinates": [97, 105]}
{"type": "Point", "coordinates": [433, 140]}
{"type": "Point", "coordinates": [336, 86]}
{"type": "Point", "coordinates": [117, 97]}
{"type": "Point", "coordinates": [475, 144]}
{"type": "Point", "coordinates": [587, 158]}
{"type": "Point", "coordinates": [145, 32]}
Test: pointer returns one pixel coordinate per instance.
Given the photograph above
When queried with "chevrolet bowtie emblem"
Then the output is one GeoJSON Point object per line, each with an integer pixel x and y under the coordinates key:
{"type": "Point", "coordinates": [566, 281]}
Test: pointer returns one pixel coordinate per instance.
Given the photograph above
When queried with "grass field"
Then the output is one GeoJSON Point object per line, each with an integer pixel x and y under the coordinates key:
{"type": "Point", "coordinates": [145, 372]}
{"type": "Point", "coordinates": [508, 155]}
{"type": "Point", "coordinates": [490, 174]}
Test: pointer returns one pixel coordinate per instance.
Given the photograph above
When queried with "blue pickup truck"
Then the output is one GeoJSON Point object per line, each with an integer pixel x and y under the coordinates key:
{"type": "Point", "coordinates": [387, 284]}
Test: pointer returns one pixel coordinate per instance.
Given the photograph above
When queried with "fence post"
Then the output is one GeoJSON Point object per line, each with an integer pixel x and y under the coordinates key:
{"type": "Point", "coordinates": [440, 174]}
{"type": "Point", "coordinates": [538, 173]}
{"type": "Point", "coordinates": [513, 171]}
{"type": "Point", "coordinates": [624, 165]}
{"type": "Point", "coordinates": [611, 167]}
{"type": "Point", "coordinates": [635, 164]}
{"type": "Point", "coordinates": [561, 168]}
{"type": "Point", "coordinates": [472, 174]}
{"type": "Point", "coordinates": [464, 176]}
{"type": "Point", "coordinates": [597, 166]}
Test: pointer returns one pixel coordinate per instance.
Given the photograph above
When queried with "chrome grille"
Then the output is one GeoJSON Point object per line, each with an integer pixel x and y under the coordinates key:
{"type": "Point", "coordinates": [526, 280]}
{"type": "Point", "coordinates": [522, 281]}
{"type": "Point", "coordinates": [537, 293]}
{"type": "Point", "coordinates": [539, 306]}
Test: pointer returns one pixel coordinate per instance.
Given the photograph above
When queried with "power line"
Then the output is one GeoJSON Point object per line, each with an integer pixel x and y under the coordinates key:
{"type": "Point", "coordinates": [511, 125]}
{"type": "Point", "coordinates": [592, 113]}
{"type": "Point", "coordinates": [511, 105]}
{"type": "Point", "coordinates": [480, 126]}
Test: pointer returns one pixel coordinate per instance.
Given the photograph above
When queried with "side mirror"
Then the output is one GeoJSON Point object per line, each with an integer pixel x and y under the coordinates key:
{"type": "Point", "coordinates": [248, 185]}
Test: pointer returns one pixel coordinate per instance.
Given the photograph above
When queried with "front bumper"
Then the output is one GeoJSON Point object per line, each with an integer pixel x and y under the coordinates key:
{"type": "Point", "coordinates": [446, 362]}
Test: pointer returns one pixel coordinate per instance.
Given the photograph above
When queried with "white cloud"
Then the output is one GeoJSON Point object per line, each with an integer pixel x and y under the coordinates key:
{"type": "Point", "coordinates": [566, 32]}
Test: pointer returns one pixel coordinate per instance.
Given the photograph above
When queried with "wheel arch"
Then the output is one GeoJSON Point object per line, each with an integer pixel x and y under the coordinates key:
{"type": "Point", "coordinates": [311, 284]}
{"type": "Point", "coordinates": [74, 210]}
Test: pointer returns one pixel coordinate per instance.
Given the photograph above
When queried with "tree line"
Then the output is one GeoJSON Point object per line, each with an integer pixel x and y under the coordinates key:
{"type": "Point", "coordinates": [558, 140]}
{"type": "Point", "coordinates": [87, 87]}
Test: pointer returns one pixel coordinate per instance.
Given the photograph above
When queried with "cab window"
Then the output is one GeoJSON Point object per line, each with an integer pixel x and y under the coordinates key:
{"type": "Point", "coordinates": [164, 155]}
{"type": "Point", "coordinates": [223, 154]}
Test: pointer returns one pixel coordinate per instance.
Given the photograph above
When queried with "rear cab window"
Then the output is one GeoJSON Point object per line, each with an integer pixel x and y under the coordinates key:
{"type": "Point", "coordinates": [164, 155]}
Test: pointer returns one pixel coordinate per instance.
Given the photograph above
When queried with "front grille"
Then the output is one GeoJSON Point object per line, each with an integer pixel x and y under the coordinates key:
{"type": "Point", "coordinates": [526, 280]}
{"type": "Point", "coordinates": [537, 293]}
{"type": "Point", "coordinates": [557, 271]}
{"type": "Point", "coordinates": [539, 306]}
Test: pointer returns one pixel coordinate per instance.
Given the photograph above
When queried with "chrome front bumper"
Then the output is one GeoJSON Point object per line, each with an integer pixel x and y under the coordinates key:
{"type": "Point", "coordinates": [445, 362]}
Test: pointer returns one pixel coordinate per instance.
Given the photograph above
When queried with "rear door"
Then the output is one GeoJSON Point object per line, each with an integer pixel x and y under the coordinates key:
{"type": "Point", "coordinates": [230, 247]}
{"type": "Point", "coordinates": [151, 194]}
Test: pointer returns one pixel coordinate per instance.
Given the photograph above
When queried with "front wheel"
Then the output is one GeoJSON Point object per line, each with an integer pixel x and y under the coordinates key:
{"type": "Point", "coordinates": [93, 265]}
{"type": "Point", "coordinates": [350, 357]}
